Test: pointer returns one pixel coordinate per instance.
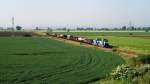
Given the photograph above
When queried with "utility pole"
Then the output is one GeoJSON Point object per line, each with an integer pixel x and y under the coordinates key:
{"type": "Point", "coordinates": [130, 24]}
{"type": "Point", "coordinates": [13, 23]}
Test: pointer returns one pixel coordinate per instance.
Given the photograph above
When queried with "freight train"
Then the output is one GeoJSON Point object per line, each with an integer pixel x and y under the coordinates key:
{"type": "Point", "coordinates": [96, 42]}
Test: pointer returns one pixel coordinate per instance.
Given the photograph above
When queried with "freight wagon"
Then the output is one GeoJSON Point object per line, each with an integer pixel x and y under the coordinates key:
{"type": "Point", "coordinates": [97, 42]}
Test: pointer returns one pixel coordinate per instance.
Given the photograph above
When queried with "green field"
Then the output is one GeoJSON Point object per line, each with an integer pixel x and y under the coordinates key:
{"type": "Point", "coordinates": [46, 61]}
{"type": "Point", "coordinates": [122, 34]}
{"type": "Point", "coordinates": [140, 45]}
{"type": "Point", "coordinates": [136, 41]}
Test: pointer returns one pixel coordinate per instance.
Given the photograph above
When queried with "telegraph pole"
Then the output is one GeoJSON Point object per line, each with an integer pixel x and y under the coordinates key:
{"type": "Point", "coordinates": [13, 23]}
{"type": "Point", "coordinates": [130, 24]}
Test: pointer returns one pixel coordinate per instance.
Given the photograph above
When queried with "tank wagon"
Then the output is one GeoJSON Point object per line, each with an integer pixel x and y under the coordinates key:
{"type": "Point", "coordinates": [96, 42]}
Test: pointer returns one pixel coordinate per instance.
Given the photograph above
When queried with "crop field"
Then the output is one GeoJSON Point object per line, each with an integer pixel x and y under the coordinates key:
{"type": "Point", "coordinates": [136, 41]}
{"type": "Point", "coordinates": [123, 34]}
{"type": "Point", "coordinates": [39, 60]}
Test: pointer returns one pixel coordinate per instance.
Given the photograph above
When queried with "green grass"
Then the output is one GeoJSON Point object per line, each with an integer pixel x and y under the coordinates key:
{"type": "Point", "coordinates": [138, 41]}
{"type": "Point", "coordinates": [138, 44]}
{"type": "Point", "coordinates": [46, 61]}
{"type": "Point", "coordinates": [124, 34]}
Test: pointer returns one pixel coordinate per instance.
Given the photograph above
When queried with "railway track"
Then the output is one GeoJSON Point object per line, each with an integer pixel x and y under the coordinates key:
{"type": "Point", "coordinates": [122, 52]}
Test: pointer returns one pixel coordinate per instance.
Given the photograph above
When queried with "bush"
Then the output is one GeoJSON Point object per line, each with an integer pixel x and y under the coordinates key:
{"type": "Point", "coordinates": [144, 69]}
{"type": "Point", "coordinates": [145, 79]}
{"type": "Point", "coordinates": [103, 35]}
{"type": "Point", "coordinates": [146, 30]}
{"type": "Point", "coordinates": [130, 33]}
{"type": "Point", "coordinates": [27, 35]}
{"type": "Point", "coordinates": [144, 59]}
{"type": "Point", "coordinates": [124, 72]}
{"type": "Point", "coordinates": [114, 50]}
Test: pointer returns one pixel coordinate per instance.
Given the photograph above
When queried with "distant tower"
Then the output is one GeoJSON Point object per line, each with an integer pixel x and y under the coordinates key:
{"type": "Point", "coordinates": [130, 24]}
{"type": "Point", "coordinates": [13, 23]}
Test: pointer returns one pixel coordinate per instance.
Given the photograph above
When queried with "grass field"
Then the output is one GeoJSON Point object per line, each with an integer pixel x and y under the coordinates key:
{"type": "Point", "coordinates": [136, 41]}
{"type": "Point", "coordinates": [123, 34]}
{"type": "Point", "coordinates": [46, 61]}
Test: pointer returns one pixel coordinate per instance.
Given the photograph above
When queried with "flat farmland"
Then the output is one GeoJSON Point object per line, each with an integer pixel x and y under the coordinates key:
{"type": "Point", "coordinates": [140, 45]}
{"type": "Point", "coordinates": [39, 60]}
{"type": "Point", "coordinates": [121, 33]}
{"type": "Point", "coordinates": [136, 41]}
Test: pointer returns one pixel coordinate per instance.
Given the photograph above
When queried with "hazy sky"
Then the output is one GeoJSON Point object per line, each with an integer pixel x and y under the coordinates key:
{"type": "Point", "coordinates": [100, 13]}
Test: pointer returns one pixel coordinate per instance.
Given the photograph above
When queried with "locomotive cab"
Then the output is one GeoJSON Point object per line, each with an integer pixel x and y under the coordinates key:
{"type": "Point", "coordinates": [106, 44]}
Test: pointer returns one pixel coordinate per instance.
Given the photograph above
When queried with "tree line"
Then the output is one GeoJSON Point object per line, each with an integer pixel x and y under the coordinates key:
{"type": "Point", "coordinates": [123, 28]}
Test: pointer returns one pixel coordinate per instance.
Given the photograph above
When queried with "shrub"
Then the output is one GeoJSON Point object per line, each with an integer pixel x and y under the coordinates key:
{"type": "Point", "coordinates": [124, 72]}
{"type": "Point", "coordinates": [27, 35]}
{"type": "Point", "coordinates": [146, 30]}
{"type": "Point", "coordinates": [103, 35]}
{"type": "Point", "coordinates": [145, 79]}
{"type": "Point", "coordinates": [144, 69]}
{"type": "Point", "coordinates": [130, 33]}
{"type": "Point", "coordinates": [144, 59]}
{"type": "Point", "coordinates": [114, 49]}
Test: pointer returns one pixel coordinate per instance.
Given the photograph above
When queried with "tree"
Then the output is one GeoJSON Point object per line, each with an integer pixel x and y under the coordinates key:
{"type": "Point", "coordinates": [1, 28]}
{"type": "Point", "coordinates": [146, 30]}
{"type": "Point", "coordinates": [18, 27]}
{"type": "Point", "coordinates": [49, 29]}
{"type": "Point", "coordinates": [68, 30]}
{"type": "Point", "coordinates": [132, 28]}
{"type": "Point", "coordinates": [124, 28]}
{"type": "Point", "coordinates": [139, 28]}
{"type": "Point", "coordinates": [64, 28]}
{"type": "Point", "coordinates": [37, 28]}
